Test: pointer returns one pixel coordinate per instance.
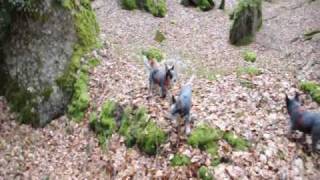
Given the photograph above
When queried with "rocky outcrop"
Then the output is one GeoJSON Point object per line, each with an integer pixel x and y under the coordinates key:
{"type": "Point", "coordinates": [247, 19]}
{"type": "Point", "coordinates": [42, 55]}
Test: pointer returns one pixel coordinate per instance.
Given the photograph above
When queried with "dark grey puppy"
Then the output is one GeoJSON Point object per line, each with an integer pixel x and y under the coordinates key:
{"type": "Point", "coordinates": [302, 120]}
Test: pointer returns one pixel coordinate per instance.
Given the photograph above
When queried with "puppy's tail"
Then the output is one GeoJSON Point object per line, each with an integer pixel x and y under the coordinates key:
{"type": "Point", "coordinates": [146, 63]}
{"type": "Point", "coordinates": [190, 80]}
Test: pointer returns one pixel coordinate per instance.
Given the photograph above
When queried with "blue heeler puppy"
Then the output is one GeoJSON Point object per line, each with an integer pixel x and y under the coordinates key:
{"type": "Point", "coordinates": [159, 76]}
{"type": "Point", "coordinates": [181, 105]}
{"type": "Point", "coordinates": [302, 120]}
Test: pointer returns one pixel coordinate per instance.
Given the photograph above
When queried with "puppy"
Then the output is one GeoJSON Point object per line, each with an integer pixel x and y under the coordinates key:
{"type": "Point", "coordinates": [181, 105]}
{"type": "Point", "coordinates": [163, 77]}
{"type": "Point", "coordinates": [302, 120]}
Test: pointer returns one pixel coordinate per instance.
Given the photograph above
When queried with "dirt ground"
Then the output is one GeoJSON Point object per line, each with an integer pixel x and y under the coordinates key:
{"type": "Point", "coordinates": [198, 42]}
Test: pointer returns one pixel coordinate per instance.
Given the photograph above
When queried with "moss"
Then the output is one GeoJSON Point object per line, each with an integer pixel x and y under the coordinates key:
{"type": "Point", "coordinates": [23, 102]}
{"type": "Point", "coordinates": [157, 8]}
{"type": "Point", "coordinates": [46, 93]}
{"type": "Point", "coordinates": [94, 62]}
{"type": "Point", "coordinates": [204, 174]}
{"type": "Point", "coordinates": [129, 4]}
{"type": "Point", "coordinates": [180, 160]}
{"type": "Point", "coordinates": [159, 36]}
{"type": "Point", "coordinates": [249, 56]}
{"type": "Point", "coordinates": [204, 137]}
{"type": "Point", "coordinates": [251, 70]}
{"type": "Point", "coordinates": [154, 53]}
{"type": "Point", "coordinates": [247, 83]}
{"type": "Point", "coordinates": [312, 88]}
{"type": "Point", "coordinates": [204, 5]}
{"type": "Point", "coordinates": [238, 143]}
{"type": "Point", "coordinates": [150, 138]}
{"type": "Point", "coordinates": [215, 161]}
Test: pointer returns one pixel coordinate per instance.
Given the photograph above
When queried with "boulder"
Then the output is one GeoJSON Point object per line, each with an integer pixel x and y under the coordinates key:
{"type": "Point", "coordinates": [247, 19]}
{"type": "Point", "coordinates": [41, 57]}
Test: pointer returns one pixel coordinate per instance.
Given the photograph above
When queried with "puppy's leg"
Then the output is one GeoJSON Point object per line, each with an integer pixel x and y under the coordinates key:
{"type": "Point", "coordinates": [163, 91]}
{"type": "Point", "coordinates": [187, 124]}
{"type": "Point", "coordinates": [315, 135]}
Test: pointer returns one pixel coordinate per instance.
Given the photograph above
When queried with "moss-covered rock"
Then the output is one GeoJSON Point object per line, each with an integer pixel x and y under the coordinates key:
{"type": "Point", "coordinates": [247, 19]}
{"type": "Point", "coordinates": [42, 58]}
{"type": "Point", "coordinates": [249, 56]}
{"type": "Point", "coordinates": [204, 173]}
{"type": "Point", "coordinates": [154, 53]}
{"type": "Point", "coordinates": [312, 88]}
{"type": "Point", "coordinates": [238, 143]}
{"type": "Point", "coordinates": [180, 160]}
{"type": "Point", "coordinates": [204, 5]}
{"type": "Point", "coordinates": [157, 8]}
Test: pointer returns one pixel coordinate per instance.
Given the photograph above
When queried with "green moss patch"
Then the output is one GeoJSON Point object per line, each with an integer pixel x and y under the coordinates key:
{"type": "Point", "coordinates": [74, 80]}
{"type": "Point", "coordinates": [238, 143]}
{"type": "Point", "coordinates": [22, 101]}
{"type": "Point", "coordinates": [249, 56]}
{"type": "Point", "coordinates": [159, 36]}
{"type": "Point", "coordinates": [180, 160]}
{"type": "Point", "coordinates": [132, 123]}
{"type": "Point", "coordinates": [204, 173]}
{"type": "Point", "coordinates": [312, 88]}
{"type": "Point", "coordinates": [94, 62]}
{"type": "Point", "coordinates": [157, 8]}
{"type": "Point", "coordinates": [206, 139]}
{"type": "Point", "coordinates": [204, 5]}
{"type": "Point", "coordinates": [250, 70]}
{"type": "Point", "coordinates": [154, 53]}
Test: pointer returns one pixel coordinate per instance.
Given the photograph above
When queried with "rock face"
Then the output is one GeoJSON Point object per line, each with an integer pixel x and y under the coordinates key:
{"type": "Point", "coordinates": [40, 49]}
{"type": "Point", "coordinates": [247, 19]}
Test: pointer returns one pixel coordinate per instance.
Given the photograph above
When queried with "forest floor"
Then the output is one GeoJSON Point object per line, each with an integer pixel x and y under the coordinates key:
{"type": "Point", "coordinates": [198, 41]}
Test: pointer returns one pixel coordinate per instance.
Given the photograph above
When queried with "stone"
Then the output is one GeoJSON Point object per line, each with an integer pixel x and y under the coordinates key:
{"type": "Point", "coordinates": [247, 19]}
{"type": "Point", "coordinates": [39, 50]}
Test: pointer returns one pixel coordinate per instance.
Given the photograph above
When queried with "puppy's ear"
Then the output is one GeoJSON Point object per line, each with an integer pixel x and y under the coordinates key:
{"type": "Point", "coordinates": [296, 97]}
{"type": "Point", "coordinates": [172, 68]}
{"type": "Point", "coordinates": [173, 100]}
{"type": "Point", "coordinates": [287, 99]}
{"type": "Point", "coordinates": [166, 66]}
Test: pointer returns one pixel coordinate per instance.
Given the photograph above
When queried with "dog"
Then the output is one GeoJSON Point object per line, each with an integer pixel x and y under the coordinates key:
{"type": "Point", "coordinates": [163, 77]}
{"type": "Point", "coordinates": [181, 105]}
{"type": "Point", "coordinates": [302, 120]}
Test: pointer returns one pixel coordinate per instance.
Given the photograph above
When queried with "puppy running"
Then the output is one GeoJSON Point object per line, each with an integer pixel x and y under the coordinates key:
{"type": "Point", "coordinates": [302, 120]}
{"type": "Point", "coordinates": [181, 105]}
{"type": "Point", "coordinates": [159, 76]}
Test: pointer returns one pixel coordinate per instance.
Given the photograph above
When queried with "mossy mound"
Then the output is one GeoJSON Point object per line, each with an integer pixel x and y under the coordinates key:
{"type": "Point", "coordinates": [104, 124]}
{"type": "Point", "coordinates": [157, 8]}
{"type": "Point", "coordinates": [150, 139]}
{"type": "Point", "coordinates": [206, 139]}
{"type": "Point", "coordinates": [247, 19]}
{"type": "Point", "coordinates": [250, 70]}
{"type": "Point", "coordinates": [204, 173]}
{"type": "Point", "coordinates": [238, 143]}
{"type": "Point", "coordinates": [204, 5]}
{"type": "Point", "coordinates": [80, 99]}
{"type": "Point", "coordinates": [180, 160]}
{"type": "Point", "coordinates": [159, 37]}
{"type": "Point", "coordinates": [132, 123]}
{"type": "Point", "coordinates": [249, 56]}
{"type": "Point", "coordinates": [154, 53]}
{"type": "Point", "coordinates": [312, 88]}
